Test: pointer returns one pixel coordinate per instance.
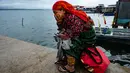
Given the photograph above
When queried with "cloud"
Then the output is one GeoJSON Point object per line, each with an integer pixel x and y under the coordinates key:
{"type": "Point", "coordinates": [49, 3]}
{"type": "Point", "coordinates": [27, 3]}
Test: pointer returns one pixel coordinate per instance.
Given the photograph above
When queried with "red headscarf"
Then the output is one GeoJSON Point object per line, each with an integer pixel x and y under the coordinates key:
{"type": "Point", "coordinates": [69, 8]}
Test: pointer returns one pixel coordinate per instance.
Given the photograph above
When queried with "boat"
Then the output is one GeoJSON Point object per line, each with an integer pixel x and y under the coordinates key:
{"type": "Point", "coordinates": [122, 14]}
{"type": "Point", "coordinates": [109, 11]}
{"type": "Point", "coordinates": [117, 40]}
{"type": "Point", "coordinates": [89, 9]}
{"type": "Point", "coordinates": [109, 14]}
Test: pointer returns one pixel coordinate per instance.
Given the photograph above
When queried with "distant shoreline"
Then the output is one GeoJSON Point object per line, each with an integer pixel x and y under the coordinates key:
{"type": "Point", "coordinates": [24, 9]}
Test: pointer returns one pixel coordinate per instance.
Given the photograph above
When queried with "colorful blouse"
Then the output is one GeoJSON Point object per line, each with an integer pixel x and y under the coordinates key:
{"type": "Point", "coordinates": [73, 25]}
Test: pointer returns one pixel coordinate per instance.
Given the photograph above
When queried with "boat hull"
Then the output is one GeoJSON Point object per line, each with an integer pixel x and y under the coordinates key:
{"type": "Point", "coordinates": [109, 14]}
{"type": "Point", "coordinates": [118, 41]}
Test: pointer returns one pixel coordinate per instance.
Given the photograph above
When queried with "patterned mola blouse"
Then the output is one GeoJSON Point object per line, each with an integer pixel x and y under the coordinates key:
{"type": "Point", "coordinates": [73, 25]}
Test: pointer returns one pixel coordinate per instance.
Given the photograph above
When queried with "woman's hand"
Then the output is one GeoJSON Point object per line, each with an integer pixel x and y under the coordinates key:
{"type": "Point", "coordinates": [58, 18]}
{"type": "Point", "coordinates": [59, 15]}
{"type": "Point", "coordinates": [63, 36]}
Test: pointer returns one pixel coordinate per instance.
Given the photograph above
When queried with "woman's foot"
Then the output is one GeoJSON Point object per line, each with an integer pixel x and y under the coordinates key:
{"type": "Point", "coordinates": [57, 62]}
{"type": "Point", "coordinates": [62, 69]}
{"type": "Point", "coordinates": [60, 62]}
{"type": "Point", "coordinates": [67, 68]}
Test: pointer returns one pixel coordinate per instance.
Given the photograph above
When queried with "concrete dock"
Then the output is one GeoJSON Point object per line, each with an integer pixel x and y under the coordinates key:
{"type": "Point", "coordinates": [17, 56]}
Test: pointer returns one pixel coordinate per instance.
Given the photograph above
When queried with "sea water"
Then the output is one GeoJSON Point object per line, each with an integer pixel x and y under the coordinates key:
{"type": "Point", "coordinates": [37, 26]}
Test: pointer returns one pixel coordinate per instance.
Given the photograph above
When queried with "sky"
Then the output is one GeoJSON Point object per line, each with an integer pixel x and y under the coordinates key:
{"type": "Point", "coordinates": [41, 4]}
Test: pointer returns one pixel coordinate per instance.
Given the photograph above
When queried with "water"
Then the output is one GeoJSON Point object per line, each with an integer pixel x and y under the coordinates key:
{"type": "Point", "coordinates": [38, 26]}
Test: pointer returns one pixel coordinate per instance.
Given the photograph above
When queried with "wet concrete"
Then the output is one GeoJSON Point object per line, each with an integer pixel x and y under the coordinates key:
{"type": "Point", "coordinates": [17, 56]}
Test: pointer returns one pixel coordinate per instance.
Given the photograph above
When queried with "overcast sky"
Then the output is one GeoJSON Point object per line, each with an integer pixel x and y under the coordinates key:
{"type": "Point", "coordinates": [49, 3]}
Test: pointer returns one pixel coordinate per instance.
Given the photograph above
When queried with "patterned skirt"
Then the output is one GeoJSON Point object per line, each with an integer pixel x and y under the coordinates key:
{"type": "Point", "coordinates": [85, 39]}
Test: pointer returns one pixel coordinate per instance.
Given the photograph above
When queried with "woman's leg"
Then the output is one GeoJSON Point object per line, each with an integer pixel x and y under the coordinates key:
{"type": "Point", "coordinates": [70, 67]}
{"type": "Point", "coordinates": [61, 58]}
{"type": "Point", "coordinates": [70, 63]}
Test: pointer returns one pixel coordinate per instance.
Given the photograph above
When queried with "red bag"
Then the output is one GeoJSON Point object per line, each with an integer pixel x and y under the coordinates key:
{"type": "Point", "coordinates": [96, 59]}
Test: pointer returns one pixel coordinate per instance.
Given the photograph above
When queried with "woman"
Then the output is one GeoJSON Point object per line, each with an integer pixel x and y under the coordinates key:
{"type": "Point", "coordinates": [74, 25]}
